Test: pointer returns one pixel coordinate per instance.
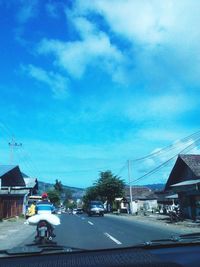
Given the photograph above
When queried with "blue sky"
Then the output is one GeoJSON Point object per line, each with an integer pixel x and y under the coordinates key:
{"type": "Point", "coordinates": [86, 85]}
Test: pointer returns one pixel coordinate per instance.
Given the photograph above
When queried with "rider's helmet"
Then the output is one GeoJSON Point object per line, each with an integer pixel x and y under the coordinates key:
{"type": "Point", "coordinates": [44, 195]}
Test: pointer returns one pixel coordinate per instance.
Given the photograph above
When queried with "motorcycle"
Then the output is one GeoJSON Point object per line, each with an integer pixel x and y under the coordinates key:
{"type": "Point", "coordinates": [176, 216]}
{"type": "Point", "coordinates": [44, 232]}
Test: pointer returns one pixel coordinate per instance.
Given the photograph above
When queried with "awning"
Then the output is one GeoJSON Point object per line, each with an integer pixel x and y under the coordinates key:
{"type": "Point", "coordinates": [172, 196]}
{"type": "Point", "coordinates": [189, 182]}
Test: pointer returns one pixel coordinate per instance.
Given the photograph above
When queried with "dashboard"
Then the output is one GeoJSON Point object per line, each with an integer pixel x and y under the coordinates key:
{"type": "Point", "coordinates": [157, 257]}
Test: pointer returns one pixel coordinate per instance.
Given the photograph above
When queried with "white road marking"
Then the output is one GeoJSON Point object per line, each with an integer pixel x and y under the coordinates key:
{"type": "Point", "coordinates": [113, 239]}
{"type": "Point", "coordinates": [90, 223]}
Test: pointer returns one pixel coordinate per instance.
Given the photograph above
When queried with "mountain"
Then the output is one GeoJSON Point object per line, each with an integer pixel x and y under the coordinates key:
{"type": "Point", "coordinates": [155, 187]}
{"type": "Point", "coordinates": [76, 192]}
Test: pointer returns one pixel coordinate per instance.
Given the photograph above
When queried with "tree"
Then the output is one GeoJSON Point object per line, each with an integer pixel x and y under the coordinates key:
{"type": "Point", "coordinates": [54, 197]}
{"type": "Point", "coordinates": [91, 194]}
{"type": "Point", "coordinates": [67, 197]}
{"type": "Point", "coordinates": [110, 186]}
{"type": "Point", "coordinates": [106, 188]}
{"type": "Point", "coordinates": [58, 186]}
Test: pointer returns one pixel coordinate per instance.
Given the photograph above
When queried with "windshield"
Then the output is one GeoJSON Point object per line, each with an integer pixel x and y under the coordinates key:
{"type": "Point", "coordinates": [99, 122]}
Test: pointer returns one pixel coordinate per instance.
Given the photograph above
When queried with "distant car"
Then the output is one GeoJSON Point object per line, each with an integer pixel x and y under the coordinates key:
{"type": "Point", "coordinates": [74, 211]}
{"type": "Point", "coordinates": [95, 208]}
{"type": "Point", "coordinates": [79, 211]}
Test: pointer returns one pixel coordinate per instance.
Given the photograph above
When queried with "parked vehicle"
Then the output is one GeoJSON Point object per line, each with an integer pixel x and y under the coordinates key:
{"type": "Point", "coordinates": [74, 211]}
{"type": "Point", "coordinates": [79, 211]}
{"type": "Point", "coordinates": [176, 215]}
{"type": "Point", "coordinates": [95, 208]}
{"type": "Point", "coordinates": [30, 201]}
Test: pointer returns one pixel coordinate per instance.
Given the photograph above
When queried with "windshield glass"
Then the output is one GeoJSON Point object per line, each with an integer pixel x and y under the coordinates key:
{"type": "Point", "coordinates": [99, 138]}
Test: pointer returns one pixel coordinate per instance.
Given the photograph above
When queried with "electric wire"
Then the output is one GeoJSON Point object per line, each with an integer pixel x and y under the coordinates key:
{"type": "Point", "coordinates": [169, 147]}
{"type": "Point", "coordinates": [186, 149]}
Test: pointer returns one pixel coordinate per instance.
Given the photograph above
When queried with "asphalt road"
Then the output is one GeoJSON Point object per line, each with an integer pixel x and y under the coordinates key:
{"type": "Point", "coordinates": [81, 231]}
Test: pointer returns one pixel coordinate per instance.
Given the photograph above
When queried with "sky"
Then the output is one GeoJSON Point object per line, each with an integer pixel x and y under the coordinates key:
{"type": "Point", "coordinates": [87, 85]}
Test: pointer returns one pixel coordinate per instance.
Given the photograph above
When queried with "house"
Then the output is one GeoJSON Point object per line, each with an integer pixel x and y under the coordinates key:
{"type": "Point", "coordinates": [166, 200]}
{"type": "Point", "coordinates": [184, 180]}
{"type": "Point", "coordinates": [143, 198]}
{"type": "Point", "coordinates": [12, 191]}
{"type": "Point", "coordinates": [31, 184]}
{"type": "Point", "coordinates": [122, 204]}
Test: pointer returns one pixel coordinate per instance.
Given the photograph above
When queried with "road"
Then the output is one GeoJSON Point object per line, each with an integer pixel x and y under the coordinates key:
{"type": "Point", "coordinates": [81, 231]}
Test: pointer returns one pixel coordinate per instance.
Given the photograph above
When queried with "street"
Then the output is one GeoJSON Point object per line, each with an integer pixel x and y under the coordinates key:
{"type": "Point", "coordinates": [81, 231]}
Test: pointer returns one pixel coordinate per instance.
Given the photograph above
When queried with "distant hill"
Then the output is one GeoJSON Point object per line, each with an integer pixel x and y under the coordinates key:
{"type": "Point", "coordinates": [76, 192]}
{"type": "Point", "coordinates": [156, 187]}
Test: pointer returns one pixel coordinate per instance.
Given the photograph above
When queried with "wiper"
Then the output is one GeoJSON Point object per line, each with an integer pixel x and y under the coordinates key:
{"type": "Point", "coordinates": [186, 238]}
{"type": "Point", "coordinates": [31, 249]}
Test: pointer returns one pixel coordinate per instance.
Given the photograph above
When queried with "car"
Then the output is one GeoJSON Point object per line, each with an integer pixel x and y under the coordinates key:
{"type": "Point", "coordinates": [79, 211]}
{"type": "Point", "coordinates": [95, 208]}
{"type": "Point", "coordinates": [74, 211]}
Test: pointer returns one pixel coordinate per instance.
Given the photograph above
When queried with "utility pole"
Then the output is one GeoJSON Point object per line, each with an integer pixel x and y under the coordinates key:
{"type": "Point", "coordinates": [12, 145]}
{"type": "Point", "coordinates": [130, 187]}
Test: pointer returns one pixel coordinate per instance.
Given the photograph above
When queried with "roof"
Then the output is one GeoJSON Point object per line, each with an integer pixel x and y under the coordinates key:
{"type": "Point", "coordinates": [30, 182]}
{"type": "Point", "coordinates": [188, 182]}
{"type": "Point", "coordinates": [10, 175]}
{"type": "Point", "coordinates": [6, 168]}
{"type": "Point", "coordinates": [186, 167]}
{"type": "Point", "coordinates": [140, 193]}
{"type": "Point", "coordinates": [137, 191]}
{"type": "Point", "coordinates": [193, 162]}
{"type": "Point", "coordinates": [172, 196]}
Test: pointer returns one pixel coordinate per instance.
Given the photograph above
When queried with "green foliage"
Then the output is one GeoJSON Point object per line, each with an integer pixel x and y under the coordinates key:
{"type": "Point", "coordinates": [106, 188]}
{"type": "Point", "coordinates": [54, 197]}
{"type": "Point", "coordinates": [70, 205]}
{"type": "Point", "coordinates": [58, 186]}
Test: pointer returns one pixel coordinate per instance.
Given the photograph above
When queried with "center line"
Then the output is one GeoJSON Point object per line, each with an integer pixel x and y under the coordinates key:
{"type": "Point", "coordinates": [90, 223]}
{"type": "Point", "coordinates": [113, 239]}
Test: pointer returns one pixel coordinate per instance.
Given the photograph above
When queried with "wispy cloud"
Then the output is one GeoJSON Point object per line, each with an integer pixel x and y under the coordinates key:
{"type": "Point", "coordinates": [93, 47]}
{"type": "Point", "coordinates": [58, 84]}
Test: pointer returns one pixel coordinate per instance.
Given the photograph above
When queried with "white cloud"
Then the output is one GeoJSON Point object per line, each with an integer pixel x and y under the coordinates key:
{"type": "Point", "coordinates": [93, 49]}
{"type": "Point", "coordinates": [149, 22]}
{"type": "Point", "coordinates": [57, 83]}
{"type": "Point", "coordinates": [167, 30]}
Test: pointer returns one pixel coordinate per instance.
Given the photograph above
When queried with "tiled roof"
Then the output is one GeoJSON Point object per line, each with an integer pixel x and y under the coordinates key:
{"type": "Point", "coordinates": [139, 192]}
{"type": "Point", "coordinates": [193, 162]}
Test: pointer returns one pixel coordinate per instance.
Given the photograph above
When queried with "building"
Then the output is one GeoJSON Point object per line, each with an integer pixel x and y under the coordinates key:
{"type": "Point", "coordinates": [184, 180]}
{"type": "Point", "coordinates": [122, 204]}
{"type": "Point", "coordinates": [143, 198]}
{"type": "Point", "coordinates": [12, 191]}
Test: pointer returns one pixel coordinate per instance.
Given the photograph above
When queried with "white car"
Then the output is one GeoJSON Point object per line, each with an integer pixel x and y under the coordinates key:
{"type": "Point", "coordinates": [74, 211]}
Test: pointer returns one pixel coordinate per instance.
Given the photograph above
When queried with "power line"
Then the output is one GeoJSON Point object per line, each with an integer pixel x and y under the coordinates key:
{"type": "Point", "coordinates": [168, 148]}
{"type": "Point", "coordinates": [189, 147]}
{"type": "Point", "coordinates": [122, 168]}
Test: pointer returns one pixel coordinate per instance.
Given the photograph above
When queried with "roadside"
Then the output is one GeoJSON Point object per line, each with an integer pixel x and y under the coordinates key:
{"type": "Point", "coordinates": [13, 232]}
{"type": "Point", "coordinates": [187, 226]}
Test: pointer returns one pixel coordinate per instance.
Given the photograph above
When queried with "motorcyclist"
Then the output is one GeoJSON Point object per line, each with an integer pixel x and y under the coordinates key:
{"type": "Point", "coordinates": [45, 207]}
